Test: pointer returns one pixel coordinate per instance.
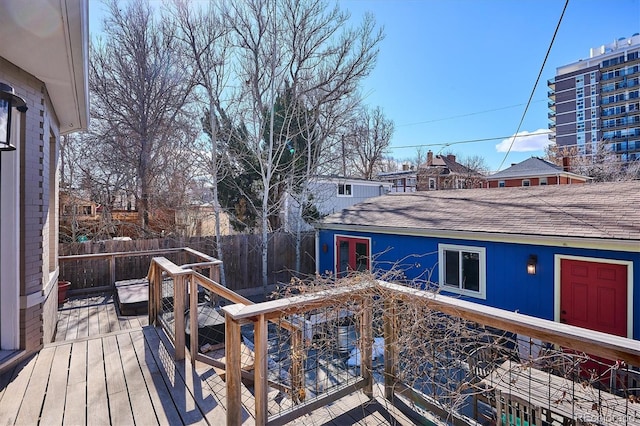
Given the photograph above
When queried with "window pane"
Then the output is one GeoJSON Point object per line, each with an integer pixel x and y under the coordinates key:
{"type": "Point", "coordinates": [343, 258]}
{"type": "Point", "coordinates": [361, 257]}
{"type": "Point", "coordinates": [471, 271]}
{"type": "Point", "coordinates": [452, 270]}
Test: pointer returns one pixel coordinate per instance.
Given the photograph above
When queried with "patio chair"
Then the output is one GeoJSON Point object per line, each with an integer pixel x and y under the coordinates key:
{"type": "Point", "coordinates": [512, 410]}
{"type": "Point", "coordinates": [625, 382]}
{"type": "Point", "coordinates": [482, 360]}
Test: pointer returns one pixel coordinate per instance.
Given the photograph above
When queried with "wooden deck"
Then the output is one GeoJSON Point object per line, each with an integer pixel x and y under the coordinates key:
{"type": "Point", "coordinates": [93, 316]}
{"type": "Point", "coordinates": [106, 369]}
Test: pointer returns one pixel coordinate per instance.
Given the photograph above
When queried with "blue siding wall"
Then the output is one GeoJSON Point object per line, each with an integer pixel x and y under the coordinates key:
{"type": "Point", "coordinates": [508, 284]}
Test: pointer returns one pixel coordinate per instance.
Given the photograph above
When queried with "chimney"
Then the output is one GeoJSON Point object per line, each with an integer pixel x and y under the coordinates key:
{"type": "Point", "coordinates": [451, 157]}
{"type": "Point", "coordinates": [566, 164]}
{"type": "Point", "coordinates": [405, 167]}
{"type": "Point", "coordinates": [429, 158]}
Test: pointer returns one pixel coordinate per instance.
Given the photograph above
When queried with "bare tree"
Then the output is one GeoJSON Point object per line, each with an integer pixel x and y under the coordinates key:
{"type": "Point", "coordinates": [296, 59]}
{"type": "Point", "coordinates": [139, 90]}
{"type": "Point", "coordinates": [370, 137]}
{"type": "Point", "coordinates": [206, 42]}
{"type": "Point", "coordinates": [599, 162]}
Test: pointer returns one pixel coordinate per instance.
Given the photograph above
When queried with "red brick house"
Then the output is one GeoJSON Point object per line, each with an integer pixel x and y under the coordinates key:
{"type": "Point", "coordinates": [443, 172]}
{"type": "Point", "coordinates": [534, 171]}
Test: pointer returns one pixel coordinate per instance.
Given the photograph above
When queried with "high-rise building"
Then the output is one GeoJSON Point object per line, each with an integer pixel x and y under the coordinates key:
{"type": "Point", "coordinates": [598, 99]}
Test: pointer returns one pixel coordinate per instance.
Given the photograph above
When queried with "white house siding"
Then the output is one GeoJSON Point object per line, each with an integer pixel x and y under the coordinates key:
{"type": "Point", "coordinates": [327, 200]}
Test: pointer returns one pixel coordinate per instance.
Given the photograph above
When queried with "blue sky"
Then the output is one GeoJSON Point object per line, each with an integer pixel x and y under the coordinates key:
{"type": "Point", "coordinates": [458, 70]}
{"type": "Point", "coordinates": [463, 70]}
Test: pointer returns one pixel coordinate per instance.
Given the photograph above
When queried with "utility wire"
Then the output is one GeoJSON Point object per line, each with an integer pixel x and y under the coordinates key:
{"type": "Point", "coordinates": [435, 120]}
{"type": "Point", "coordinates": [445, 144]}
{"type": "Point", "coordinates": [536, 83]}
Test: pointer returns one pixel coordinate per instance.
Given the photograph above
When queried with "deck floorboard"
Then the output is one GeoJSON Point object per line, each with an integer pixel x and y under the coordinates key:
{"type": "Point", "coordinates": [111, 375]}
{"type": "Point", "coordinates": [97, 401]}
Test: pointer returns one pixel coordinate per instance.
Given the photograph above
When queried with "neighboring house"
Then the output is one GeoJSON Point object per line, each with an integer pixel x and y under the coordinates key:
{"type": "Point", "coordinates": [81, 218]}
{"type": "Point", "coordinates": [569, 253]}
{"type": "Point", "coordinates": [535, 171]}
{"type": "Point", "coordinates": [402, 180]}
{"type": "Point", "coordinates": [330, 194]}
{"type": "Point", "coordinates": [44, 58]}
{"type": "Point", "coordinates": [443, 172]}
{"type": "Point", "coordinates": [198, 220]}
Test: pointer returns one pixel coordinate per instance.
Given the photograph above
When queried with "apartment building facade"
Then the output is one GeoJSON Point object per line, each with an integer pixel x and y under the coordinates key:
{"type": "Point", "coordinates": [598, 100]}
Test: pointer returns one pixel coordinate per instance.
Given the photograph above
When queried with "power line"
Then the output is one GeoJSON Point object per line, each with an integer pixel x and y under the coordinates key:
{"type": "Point", "coordinates": [445, 144]}
{"type": "Point", "coordinates": [435, 120]}
{"type": "Point", "coordinates": [536, 83]}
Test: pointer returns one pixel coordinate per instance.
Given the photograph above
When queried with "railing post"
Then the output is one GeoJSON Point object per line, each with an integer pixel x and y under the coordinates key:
{"type": "Point", "coordinates": [152, 306]}
{"type": "Point", "coordinates": [233, 371]}
{"type": "Point", "coordinates": [112, 271]}
{"type": "Point", "coordinates": [214, 273]}
{"type": "Point", "coordinates": [366, 345]}
{"type": "Point", "coordinates": [297, 360]}
{"type": "Point", "coordinates": [193, 319]}
{"type": "Point", "coordinates": [390, 339]}
{"type": "Point", "coordinates": [260, 370]}
{"type": "Point", "coordinates": [178, 315]}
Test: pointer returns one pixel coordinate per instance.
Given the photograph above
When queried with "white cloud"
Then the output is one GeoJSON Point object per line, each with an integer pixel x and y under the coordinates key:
{"type": "Point", "coordinates": [526, 141]}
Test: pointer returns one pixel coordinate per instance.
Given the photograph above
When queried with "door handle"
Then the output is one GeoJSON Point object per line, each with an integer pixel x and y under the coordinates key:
{"type": "Point", "coordinates": [564, 312]}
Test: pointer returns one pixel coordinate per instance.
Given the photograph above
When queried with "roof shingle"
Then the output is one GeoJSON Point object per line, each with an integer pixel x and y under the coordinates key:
{"type": "Point", "coordinates": [602, 210]}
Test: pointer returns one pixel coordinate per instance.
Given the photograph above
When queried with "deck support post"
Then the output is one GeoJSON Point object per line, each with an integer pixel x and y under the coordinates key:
{"type": "Point", "coordinates": [390, 339]}
{"type": "Point", "coordinates": [366, 345]}
{"type": "Point", "coordinates": [298, 393]}
{"type": "Point", "coordinates": [178, 315]}
{"type": "Point", "coordinates": [154, 288]}
{"type": "Point", "coordinates": [193, 320]}
{"type": "Point", "coordinates": [233, 371]}
{"type": "Point", "coordinates": [260, 369]}
{"type": "Point", "coordinates": [112, 271]}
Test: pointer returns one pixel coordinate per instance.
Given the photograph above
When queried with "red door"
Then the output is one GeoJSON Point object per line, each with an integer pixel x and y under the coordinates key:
{"type": "Point", "coordinates": [594, 296]}
{"type": "Point", "coordinates": [352, 254]}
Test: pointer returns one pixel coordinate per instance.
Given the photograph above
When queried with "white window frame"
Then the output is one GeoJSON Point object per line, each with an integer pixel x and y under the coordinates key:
{"type": "Point", "coordinates": [527, 181]}
{"type": "Point", "coordinates": [502, 184]}
{"type": "Point", "coordinates": [344, 187]}
{"type": "Point", "coordinates": [482, 264]}
{"type": "Point", "coordinates": [432, 184]}
{"type": "Point", "coordinates": [543, 181]}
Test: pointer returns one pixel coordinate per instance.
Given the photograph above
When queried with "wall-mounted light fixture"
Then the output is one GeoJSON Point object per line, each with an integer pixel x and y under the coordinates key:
{"type": "Point", "coordinates": [532, 263]}
{"type": "Point", "coordinates": [8, 101]}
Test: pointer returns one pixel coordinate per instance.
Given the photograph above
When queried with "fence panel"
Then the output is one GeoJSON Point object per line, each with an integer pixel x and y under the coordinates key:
{"type": "Point", "coordinates": [242, 259]}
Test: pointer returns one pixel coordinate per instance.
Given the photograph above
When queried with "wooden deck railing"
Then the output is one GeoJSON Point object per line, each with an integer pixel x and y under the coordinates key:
{"type": "Point", "coordinates": [100, 271]}
{"type": "Point", "coordinates": [185, 284]}
{"type": "Point", "coordinates": [562, 335]}
{"type": "Point", "coordinates": [377, 307]}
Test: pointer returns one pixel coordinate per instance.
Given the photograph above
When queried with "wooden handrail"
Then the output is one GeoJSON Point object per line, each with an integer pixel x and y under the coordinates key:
{"type": "Point", "coordinates": [576, 338]}
{"type": "Point", "coordinates": [118, 254]}
{"type": "Point", "coordinates": [275, 308]}
{"type": "Point", "coordinates": [220, 290]}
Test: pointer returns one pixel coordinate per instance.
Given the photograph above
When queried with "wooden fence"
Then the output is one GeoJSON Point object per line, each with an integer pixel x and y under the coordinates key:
{"type": "Point", "coordinates": [242, 259]}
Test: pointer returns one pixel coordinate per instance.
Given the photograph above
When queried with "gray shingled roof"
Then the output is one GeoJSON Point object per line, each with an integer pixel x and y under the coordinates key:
{"type": "Point", "coordinates": [602, 210]}
{"type": "Point", "coordinates": [531, 167]}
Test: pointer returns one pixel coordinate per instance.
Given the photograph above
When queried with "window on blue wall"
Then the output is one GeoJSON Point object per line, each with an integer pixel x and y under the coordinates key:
{"type": "Point", "coordinates": [344, 190]}
{"type": "Point", "coordinates": [462, 269]}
